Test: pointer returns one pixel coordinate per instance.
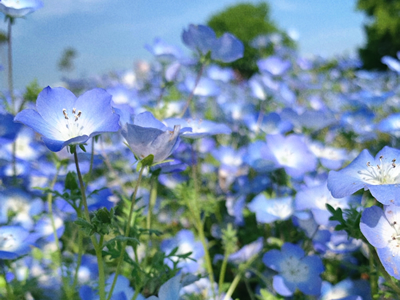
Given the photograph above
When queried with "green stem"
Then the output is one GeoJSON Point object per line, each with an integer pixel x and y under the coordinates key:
{"type": "Point", "coordinates": [233, 286]}
{"type": "Point", "coordinates": [79, 260]}
{"type": "Point", "coordinates": [222, 273]}
{"type": "Point", "coordinates": [236, 280]}
{"type": "Point", "coordinates": [152, 200]}
{"type": "Point", "coordinates": [192, 92]}
{"type": "Point", "coordinates": [97, 247]}
{"type": "Point", "coordinates": [127, 231]}
{"type": "Point", "coordinates": [69, 292]}
{"type": "Point", "coordinates": [10, 293]}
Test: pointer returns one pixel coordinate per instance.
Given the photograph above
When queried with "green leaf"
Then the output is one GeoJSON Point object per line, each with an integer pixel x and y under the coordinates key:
{"type": "Point", "coordinates": [71, 182]}
{"type": "Point", "coordinates": [82, 146]}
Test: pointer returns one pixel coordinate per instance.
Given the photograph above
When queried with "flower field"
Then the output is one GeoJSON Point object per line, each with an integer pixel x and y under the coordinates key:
{"type": "Point", "coordinates": [181, 179]}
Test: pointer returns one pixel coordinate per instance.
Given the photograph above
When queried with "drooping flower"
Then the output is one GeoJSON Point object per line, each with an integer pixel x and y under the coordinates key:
{"type": "Point", "coordinates": [19, 8]}
{"type": "Point", "coordinates": [203, 39]}
{"type": "Point", "coordinates": [62, 119]}
{"type": "Point", "coordinates": [147, 135]}
{"type": "Point", "coordinates": [296, 270]}
{"type": "Point", "coordinates": [379, 175]}
{"type": "Point", "coordinates": [381, 228]}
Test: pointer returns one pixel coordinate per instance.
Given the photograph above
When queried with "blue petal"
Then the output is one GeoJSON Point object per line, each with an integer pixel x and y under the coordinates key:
{"type": "Point", "coordinates": [227, 48]}
{"type": "Point", "coordinates": [170, 289]}
{"type": "Point", "coordinates": [50, 104]}
{"type": "Point", "coordinates": [390, 262]}
{"type": "Point", "coordinates": [375, 226]}
{"type": "Point", "coordinates": [282, 287]}
{"type": "Point", "coordinates": [347, 181]}
{"type": "Point", "coordinates": [33, 119]}
{"type": "Point", "coordinates": [96, 105]}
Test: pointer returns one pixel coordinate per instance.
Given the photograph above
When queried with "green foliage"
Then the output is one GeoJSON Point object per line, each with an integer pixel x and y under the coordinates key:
{"type": "Point", "coordinates": [382, 31]}
{"type": "Point", "coordinates": [32, 91]}
{"type": "Point", "coordinates": [349, 220]}
{"type": "Point", "coordinates": [247, 21]}
{"type": "Point", "coordinates": [66, 62]}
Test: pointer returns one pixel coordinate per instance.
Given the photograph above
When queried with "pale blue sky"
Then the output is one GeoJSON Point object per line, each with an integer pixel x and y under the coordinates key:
{"type": "Point", "coordinates": [110, 35]}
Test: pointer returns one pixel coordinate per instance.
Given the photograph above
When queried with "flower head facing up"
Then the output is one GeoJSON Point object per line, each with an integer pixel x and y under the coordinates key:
{"type": "Point", "coordinates": [380, 175]}
{"type": "Point", "coordinates": [147, 135]}
{"type": "Point", "coordinates": [296, 270]}
{"type": "Point", "coordinates": [62, 119]}
{"type": "Point", "coordinates": [19, 8]}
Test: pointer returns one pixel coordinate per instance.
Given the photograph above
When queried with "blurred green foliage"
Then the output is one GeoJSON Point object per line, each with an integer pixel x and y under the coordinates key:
{"type": "Point", "coordinates": [66, 62]}
{"type": "Point", "coordinates": [247, 21]}
{"type": "Point", "coordinates": [382, 31]}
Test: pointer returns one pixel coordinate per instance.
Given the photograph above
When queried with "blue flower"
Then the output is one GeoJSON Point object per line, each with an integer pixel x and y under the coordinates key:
{"type": "Point", "coordinates": [381, 229]}
{"type": "Point", "coordinates": [147, 135]}
{"type": "Point", "coordinates": [62, 119]}
{"type": "Point", "coordinates": [186, 243]}
{"type": "Point", "coordinates": [271, 210]}
{"type": "Point", "coordinates": [203, 39]}
{"type": "Point", "coordinates": [15, 241]}
{"type": "Point", "coordinates": [379, 175]}
{"type": "Point", "coordinates": [19, 8]}
{"type": "Point", "coordinates": [296, 270]}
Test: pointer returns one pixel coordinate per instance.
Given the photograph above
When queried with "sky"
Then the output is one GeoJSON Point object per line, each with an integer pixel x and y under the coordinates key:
{"type": "Point", "coordinates": [110, 35]}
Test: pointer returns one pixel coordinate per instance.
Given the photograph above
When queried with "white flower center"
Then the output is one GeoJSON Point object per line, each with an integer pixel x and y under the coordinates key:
{"type": "Point", "coordinates": [73, 124]}
{"type": "Point", "coordinates": [383, 173]}
{"type": "Point", "coordinates": [294, 270]}
{"type": "Point", "coordinates": [394, 242]}
{"type": "Point", "coordinates": [7, 241]}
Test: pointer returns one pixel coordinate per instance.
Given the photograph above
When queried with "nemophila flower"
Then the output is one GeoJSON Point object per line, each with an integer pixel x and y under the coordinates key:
{"type": "Point", "coordinates": [19, 8]}
{"type": "Point", "coordinates": [346, 288]}
{"type": "Point", "coordinates": [15, 241]}
{"type": "Point", "coordinates": [169, 290]}
{"type": "Point", "coordinates": [379, 175]}
{"type": "Point", "coordinates": [390, 124]}
{"type": "Point", "coordinates": [292, 153]}
{"type": "Point", "coordinates": [147, 135]}
{"type": "Point", "coordinates": [295, 270]}
{"type": "Point", "coordinates": [247, 252]}
{"type": "Point", "coordinates": [62, 119]}
{"type": "Point", "coordinates": [315, 199]}
{"type": "Point", "coordinates": [271, 210]}
{"type": "Point", "coordinates": [17, 207]}
{"type": "Point", "coordinates": [381, 228]}
{"type": "Point", "coordinates": [186, 243]}
{"type": "Point", "coordinates": [203, 39]}
{"type": "Point", "coordinates": [274, 65]}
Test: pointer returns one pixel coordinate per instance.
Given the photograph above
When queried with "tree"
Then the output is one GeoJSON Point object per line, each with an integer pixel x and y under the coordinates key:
{"type": "Point", "coordinates": [382, 31]}
{"type": "Point", "coordinates": [247, 21]}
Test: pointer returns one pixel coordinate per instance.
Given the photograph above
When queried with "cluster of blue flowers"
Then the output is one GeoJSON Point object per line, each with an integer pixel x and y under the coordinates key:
{"type": "Point", "coordinates": [261, 188]}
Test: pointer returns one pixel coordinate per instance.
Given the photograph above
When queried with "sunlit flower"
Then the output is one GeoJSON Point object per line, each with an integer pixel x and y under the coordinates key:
{"type": "Point", "coordinates": [296, 270]}
{"type": "Point", "coordinates": [379, 175]}
{"type": "Point", "coordinates": [62, 119]}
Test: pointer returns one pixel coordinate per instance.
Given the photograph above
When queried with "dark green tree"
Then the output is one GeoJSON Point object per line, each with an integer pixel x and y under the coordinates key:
{"type": "Point", "coordinates": [247, 21]}
{"type": "Point", "coordinates": [382, 31]}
